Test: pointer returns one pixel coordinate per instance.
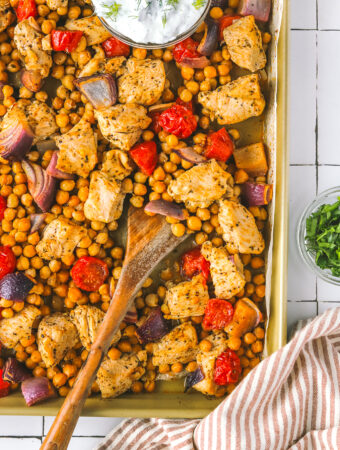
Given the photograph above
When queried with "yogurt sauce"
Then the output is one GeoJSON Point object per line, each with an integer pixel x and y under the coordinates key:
{"type": "Point", "coordinates": [150, 21]}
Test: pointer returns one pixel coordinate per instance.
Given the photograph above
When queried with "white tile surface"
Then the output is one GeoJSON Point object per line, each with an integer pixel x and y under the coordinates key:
{"type": "Point", "coordinates": [328, 176]}
{"type": "Point", "coordinates": [21, 444]}
{"type": "Point", "coordinates": [324, 306]}
{"type": "Point", "coordinates": [299, 311]}
{"type": "Point", "coordinates": [329, 14]}
{"type": "Point", "coordinates": [89, 426]}
{"type": "Point", "coordinates": [301, 282]}
{"type": "Point", "coordinates": [83, 443]}
{"type": "Point", "coordinates": [302, 97]}
{"type": "Point", "coordinates": [303, 14]}
{"type": "Point", "coordinates": [20, 426]}
{"type": "Point", "coordinates": [328, 96]}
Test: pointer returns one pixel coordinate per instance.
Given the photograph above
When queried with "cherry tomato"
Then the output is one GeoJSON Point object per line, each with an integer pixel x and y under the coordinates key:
{"type": "Point", "coordinates": [145, 156]}
{"type": "Point", "coordinates": [26, 9]}
{"type": "Point", "coordinates": [225, 22]}
{"type": "Point", "coordinates": [3, 206]}
{"type": "Point", "coordinates": [186, 49]}
{"type": "Point", "coordinates": [155, 121]}
{"type": "Point", "coordinates": [227, 368]}
{"type": "Point", "coordinates": [89, 273]}
{"type": "Point", "coordinates": [4, 386]}
{"type": "Point", "coordinates": [218, 313]}
{"type": "Point", "coordinates": [114, 47]}
{"type": "Point", "coordinates": [8, 261]}
{"type": "Point", "coordinates": [193, 263]}
{"type": "Point", "coordinates": [220, 146]}
{"type": "Point", "coordinates": [65, 41]}
{"type": "Point", "coordinates": [178, 120]}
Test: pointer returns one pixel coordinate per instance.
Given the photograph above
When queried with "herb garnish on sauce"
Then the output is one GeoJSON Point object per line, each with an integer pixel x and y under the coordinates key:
{"type": "Point", "coordinates": [323, 237]}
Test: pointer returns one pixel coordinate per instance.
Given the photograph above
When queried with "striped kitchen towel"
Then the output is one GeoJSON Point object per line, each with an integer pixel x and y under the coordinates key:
{"type": "Point", "coordinates": [291, 400]}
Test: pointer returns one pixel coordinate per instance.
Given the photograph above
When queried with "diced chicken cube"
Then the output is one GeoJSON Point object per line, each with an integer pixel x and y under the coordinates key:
{"type": "Point", "coordinates": [56, 336]}
{"type": "Point", "coordinates": [117, 164]}
{"type": "Point", "coordinates": [227, 276]}
{"type": "Point", "coordinates": [55, 4]}
{"type": "Point", "coordinates": [99, 63]}
{"type": "Point", "coordinates": [87, 319]}
{"type": "Point", "coordinates": [239, 228]}
{"type": "Point", "coordinates": [18, 327]}
{"type": "Point", "coordinates": [28, 40]}
{"type": "Point", "coordinates": [4, 4]}
{"type": "Point", "coordinates": [143, 81]}
{"type": "Point", "coordinates": [187, 299]}
{"type": "Point", "coordinates": [200, 186]}
{"type": "Point", "coordinates": [180, 345]}
{"type": "Point", "coordinates": [78, 150]}
{"type": "Point", "coordinates": [116, 377]}
{"type": "Point", "coordinates": [244, 43]}
{"type": "Point", "coordinates": [123, 124]}
{"type": "Point", "coordinates": [60, 238]}
{"type": "Point", "coordinates": [93, 29]}
{"type": "Point", "coordinates": [235, 101]}
{"type": "Point", "coordinates": [5, 19]}
{"type": "Point", "coordinates": [206, 361]}
{"type": "Point", "coordinates": [106, 198]}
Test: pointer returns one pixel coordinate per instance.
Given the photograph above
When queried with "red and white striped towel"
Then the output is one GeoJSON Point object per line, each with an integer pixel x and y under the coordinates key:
{"type": "Point", "coordinates": [291, 400]}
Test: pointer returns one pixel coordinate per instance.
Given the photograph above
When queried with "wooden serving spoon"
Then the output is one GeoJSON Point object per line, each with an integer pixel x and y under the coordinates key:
{"type": "Point", "coordinates": [149, 240]}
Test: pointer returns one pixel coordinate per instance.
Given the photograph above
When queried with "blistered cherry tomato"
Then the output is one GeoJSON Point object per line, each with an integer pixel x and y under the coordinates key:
{"type": "Point", "coordinates": [4, 386]}
{"type": "Point", "coordinates": [114, 47]}
{"type": "Point", "coordinates": [218, 313]}
{"type": "Point", "coordinates": [227, 368]}
{"type": "Point", "coordinates": [3, 206]}
{"type": "Point", "coordinates": [194, 263]}
{"type": "Point", "coordinates": [8, 261]}
{"type": "Point", "coordinates": [186, 49]}
{"type": "Point", "coordinates": [65, 41]}
{"type": "Point", "coordinates": [178, 120]}
{"type": "Point", "coordinates": [220, 146]}
{"type": "Point", "coordinates": [225, 22]}
{"type": "Point", "coordinates": [26, 9]}
{"type": "Point", "coordinates": [155, 121]}
{"type": "Point", "coordinates": [145, 156]}
{"type": "Point", "coordinates": [89, 273]}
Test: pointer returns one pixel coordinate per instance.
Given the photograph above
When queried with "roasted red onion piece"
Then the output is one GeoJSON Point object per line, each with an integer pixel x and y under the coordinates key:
{"type": "Point", "coordinates": [165, 208]}
{"type": "Point", "coordinates": [56, 173]}
{"type": "Point", "coordinates": [99, 89]}
{"type": "Point", "coordinates": [210, 37]}
{"type": "Point", "coordinates": [36, 221]}
{"type": "Point", "coordinates": [131, 315]}
{"type": "Point", "coordinates": [154, 328]}
{"type": "Point", "coordinates": [195, 63]}
{"type": "Point", "coordinates": [16, 140]}
{"type": "Point", "coordinates": [260, 9]}
{"type": "Point", "coordinates": [189, 154]}
{"type": "Point", "coordinates": [255, 194]}
{"type": "Point", "coordinates": [193, 378]}
{"type": "Point", "coordinates": [36, 390]}
{"type": "Point", "coordinates": [15, 286]}
{"type": "Point", "coordinates": [40, 184]}
{"type": "Point", "coordinates": [31, 80]}
{"type": "Point", "coordinates": [160, 107]}
{"type": "Point", "coordinates": [246, 317]}
{"type": "Point", "coordinates": [14, 371]}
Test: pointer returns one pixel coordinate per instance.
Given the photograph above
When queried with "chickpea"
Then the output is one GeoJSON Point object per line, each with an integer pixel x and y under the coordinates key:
{"type": "Point", "coordinates": [257, 347]}
{"type": "Point", "coordinates": [194, 223]}
{"type": "Point", "coordinates": [139, 53]}
{"type": "Point", "coordinates": [67, 82]}
{"type": "Point", "coordinates": [178, 229]}
{"type": "Point", "coordinates": [125, 346]}
{"type": "Point", "coordinates": [205, 345]}
{"type": "Point", "coordinates": [187, 73]}
{"type": "Point", "coordinates": [59, 379]}
{"type": "Point", "coordinates": [69, 370]}
{"type": "Point", "coordinates": [177, 367]}
{"type": "Point", "coordinates": [148, 135]}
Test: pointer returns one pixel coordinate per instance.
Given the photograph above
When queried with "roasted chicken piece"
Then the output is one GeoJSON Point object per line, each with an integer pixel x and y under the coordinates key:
{"type": "Point", "coordinates": [93, 29]}
{"type": "Point", "coordinates": [180, 345]}
{"type": "Point", "coordinates": [226, 271]}
{"type": "Point", "coordinates": [78, 149]}
{"type": "Point", "coordinates": [106, 198]}
{"type": "Point", "coordinates": [60, 238]}
{"type": "Point", "coordinates": [143, 81]}
{"type": "Point", "coordinates": [28, 40]}
{"type": "Point", "coordinates": [206, 361]}
{"type": "Point", "coordinates": [87, 319]}
{"type": "Point", "coordinates": [235, 101]}
{"type": "Point", "coordinates": [239, 228]}
{"type": "Point", "coordinates": [56, 336]}
{"type": "Point", "coordinates": [187, 299]}
{"type": "Point", "coordinates": [122, 125]}
{"type": "Point", "coordinates": [99, 63]}
{"type": "Point", "coordinates": [200, 186]}
{"type": "Point", "coordinates": [18, 327]}
{"type": "Point", "coordinates": [116, 377]}
{"type": "Point", "coordinates": [6, 18]}
{"type": "Point", "coordinates": [117, 164]}
{"type": "Point", "coordinates": [244, 43]}
{"type": "Point", "coordinates": [4, 4]}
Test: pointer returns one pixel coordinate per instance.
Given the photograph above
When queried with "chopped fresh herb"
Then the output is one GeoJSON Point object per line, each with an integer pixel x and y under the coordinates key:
{"type": "Point", "coordinates": [323, 237]}
{"type": "Point", "coordinates": [198, 4]}
{"type": "Point", "coordinates": [113, 10]}
{"type": "Point", "coordinates": [164, 19]}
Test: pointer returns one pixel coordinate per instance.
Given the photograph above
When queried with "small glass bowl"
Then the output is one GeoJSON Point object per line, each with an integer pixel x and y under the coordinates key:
{"type": "Point", "coordinates": [151, 46]}
{"type": "Point", "coordinates": [327, 197]}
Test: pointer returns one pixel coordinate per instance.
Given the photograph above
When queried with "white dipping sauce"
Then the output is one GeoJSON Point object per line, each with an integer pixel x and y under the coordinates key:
{"type": "Point", "coordinates": [150, 21]}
